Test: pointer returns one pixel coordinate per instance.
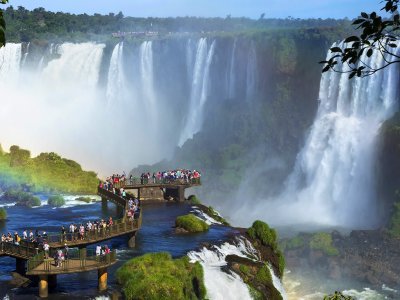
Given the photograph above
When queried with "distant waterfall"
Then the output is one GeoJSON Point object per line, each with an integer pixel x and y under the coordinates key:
{"type": "Point", "coordinates": [116, 78]}
{"type": "Point", "coordinates": [199, 90]}
{"type": "Point", "coordinates": [333, 181]}
{"type": "Point", "coordinates": [10, 60]}
{"type": "Point", "coordinates": [147, 80]}
{"type": "Point", "coordinates": [231, 77]}
{"type": "Point", "coordinates": [251, 73]}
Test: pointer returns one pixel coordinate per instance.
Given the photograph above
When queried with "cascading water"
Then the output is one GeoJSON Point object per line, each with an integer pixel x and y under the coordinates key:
{"type": "Point", "coordinates": [231, 77]}
{"type": "Point", "coordinates": [228, 285]}
{"type": "Point", "coordinates": [10, 59]}
{"type": "Point", "coordinates": [199, 90]}
{"type": "Point", "coordinates": [116, 78]}
{"type": "Point", "coordinates": [333, 178]}
{"type": "Point", "coordinates": [251, 73]}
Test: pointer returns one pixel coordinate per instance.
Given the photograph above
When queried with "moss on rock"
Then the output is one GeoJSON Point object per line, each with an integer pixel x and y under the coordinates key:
{"type": "Point", "coordinates": [84, 199]}
{"type": "Point", "coordinates": [158, 276]}
{"type": "Point", "coordinates": [22, 198]}
{"type": "Point", "coordinates": [191, 223]}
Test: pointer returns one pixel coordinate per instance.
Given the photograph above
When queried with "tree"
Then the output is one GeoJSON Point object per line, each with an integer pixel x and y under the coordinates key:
{"type": "Point", "coordinates": [377, 34]}
{"type": "Point", "coordinates": [2, 26]}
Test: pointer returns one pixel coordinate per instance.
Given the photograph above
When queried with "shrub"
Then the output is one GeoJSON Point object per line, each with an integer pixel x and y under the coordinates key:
{"type": "Point", "coordinates": [158, 276]}
{"type": "Point", "coordinates": [56, 201]}
{"type": "Point", "coordinates": [194, 200]}
{"type": "Point", "coordinates": [191, 223]}
{"type": "Point", "coordinates": [216, 216]}
{"type": "Point", "coordinates": [295, 243]}
{"type": "Point", "coordinates": [84, 199]}
{"type": "Point", "coordinates": [323, 241]}
{"type": "Point", "coordinates": [3, 214]}
{"type": "Point", "coordinates": [263, 276]}
{"type": "Point", "coordinates": [281, 262]}
{"type": "Point", "coordinates": [22, 198]}
{"type": "Point", "coordinates": [261, 231]}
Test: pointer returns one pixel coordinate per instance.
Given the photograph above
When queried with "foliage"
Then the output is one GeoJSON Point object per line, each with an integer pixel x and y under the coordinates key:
{"type": "Point", "coordinates": [377, 34]}
{"type": "Point", "coordinates": [323, 241]}
{"type": "Point", "coordinates": [261, 231]}
{"type": "Point", "coordinates": [394, 227]}
{"type": "Point", "coordinates": [2, 26]}
{"type": "Point", "coordinates": [338, 296]}
{"type": "Point", "coordinates": [295, 242]}
{"type": "Point", "coordinates": [194, 200]}
{"type": "Point", "coordinates": [158, 276]}
{"type": "Point", "coordinates": [22, 198]}
{"type": "Point", "coordinates": [191, 223]}
{"type": "Point", "coordinates": [56, 200]}
{"type": "Point", "coordinates": [3, 214]}
{"type": "Point", "coordinates": [84, 199]}
{"type": "Point", "coordinates": [48, 172]}
{"type": "Point", "coordinates": [263, 275]}
{"type": "Point", "coordinates": [24, 25]}
{"type": "Point", "coordinates": [281, 262]}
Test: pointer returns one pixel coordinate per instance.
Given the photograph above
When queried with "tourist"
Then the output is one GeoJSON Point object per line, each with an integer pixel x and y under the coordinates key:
{"type": "Point", "coordinates": [98, 250]}
{"type": "Point", "coordinates": [66, 251]}
{"type": "Point", "coordinates": [46, 249]}
{"type": "Point", "coordinates": [31, 235]}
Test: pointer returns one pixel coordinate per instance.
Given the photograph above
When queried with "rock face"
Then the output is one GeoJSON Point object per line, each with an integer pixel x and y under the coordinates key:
{"type": "Point", "coordinates": [371, 256]}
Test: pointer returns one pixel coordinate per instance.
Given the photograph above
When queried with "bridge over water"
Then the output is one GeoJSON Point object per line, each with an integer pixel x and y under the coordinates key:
{"type": "Point", "coordinates": [30, 258]}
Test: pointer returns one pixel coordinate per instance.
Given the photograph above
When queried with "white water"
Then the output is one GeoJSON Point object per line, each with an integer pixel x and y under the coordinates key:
{"type": "Point", "coordinates": [203, 216]}
{"type": "Point", "coordinates": [251, 73]}
{"type": "Point", "coordinates": [222, 285]}
{"type": "Point", "coordinates": [232, 73]}
{"type": "Point", "coordinates": [116, 78]}
{"type": "Point", "coordinates": [199, 90]}
{"type": "Point", "coordinates": [333, 182]}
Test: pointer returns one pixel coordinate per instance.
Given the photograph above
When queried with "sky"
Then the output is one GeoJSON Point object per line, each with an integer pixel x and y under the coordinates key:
{"type": "Point", "coordinates": [210, 8]}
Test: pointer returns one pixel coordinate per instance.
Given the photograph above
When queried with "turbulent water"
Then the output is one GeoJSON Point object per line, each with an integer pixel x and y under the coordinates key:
{"type": "Point", "coordinates": [227, 285]}
{"type": "Point", "coordinates": [112, 107]}
{"type": "Point", "coordinates": [333, 181]}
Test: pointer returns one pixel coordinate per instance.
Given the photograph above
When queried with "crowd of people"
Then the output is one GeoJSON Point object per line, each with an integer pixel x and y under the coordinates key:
{"type": "Point", "coordinates": [181, 175]}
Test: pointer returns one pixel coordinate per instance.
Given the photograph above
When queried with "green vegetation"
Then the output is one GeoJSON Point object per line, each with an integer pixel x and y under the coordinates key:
{"type": "Point", "coordinates": [194, 200]}
{"type": "Point", "coordinates": [191, 223]}
{"type": "Point", "coordinates": [22, 198]}
{"type": "Point", "coordinates": [295, 243]}
{"type": "Point", "coordinates": [48, 172]}
{"type": "Point", "coordinates": [37, 25]}
{"type": "Point", "coordinates": [261, 231]}
{"type": "Point", "coordinates": [56, 201]}
{"type": "Point", "coordinates": [3, 214]}
{"type": "Point", "coordinates": [323, 241]}
{"type": "Point", "coordinates": [158, 276]}
{"type": "Point", "coordinates": [84, 199]}
{"type": "Point", "coordinates": [263, 275]}
{"type": "Point", "coordinates": [212, 213]}
{"type": "Point", "coordinates": [268, 237]}
{"type": "Point", "coordinates": [394, 227]}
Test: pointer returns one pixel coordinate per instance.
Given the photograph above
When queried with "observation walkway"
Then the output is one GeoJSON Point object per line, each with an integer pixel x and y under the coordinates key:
{"type": "Point", "coordinates": [156, 189]}
{"type": "Point", "coordinates": [31, 261]}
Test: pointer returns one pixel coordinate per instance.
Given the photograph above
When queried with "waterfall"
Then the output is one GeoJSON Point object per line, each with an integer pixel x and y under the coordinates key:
{"type": "Point", "coordinates": [147, 80]}
{"type": "Point", "coordinates": [116, 78]}
{"type": "Point", "coordinates": [10, 60]}
{"type": "Point", "coordinates": [231, 78]}
{"type": "Point", "coordinates": [228, 285]}
{"type": "Point", "coordinates": [199, 90]}
{"type": "Point", "coordinates": [333, 181]}
{"type": "Point", "coordinates": [251, 73]}
{"type": "Point", "coordinates": [219, 284]}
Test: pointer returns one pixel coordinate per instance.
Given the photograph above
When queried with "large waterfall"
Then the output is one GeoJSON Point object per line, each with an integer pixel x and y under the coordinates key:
{"type": "Point", "coordinates": [333, 181]}
{"type": "Point", "coordinates": [111, 108]}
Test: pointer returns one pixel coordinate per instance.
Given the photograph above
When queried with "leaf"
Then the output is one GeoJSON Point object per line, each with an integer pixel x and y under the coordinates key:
{"type": "Point", "coordinates": [369, 52]}
{"type": "Point", "coordinates": [352, 39]}
{"type": "Point", "coordinates": [364, 15]}
{"type": "Point", "coordinates": [358, 21]}
{"type": "Point", "coordinates": [336, 49]}
{"type": "Point", "coordinates": [326, 68]}
{"type": "Point", "coordinates": [352, 74]}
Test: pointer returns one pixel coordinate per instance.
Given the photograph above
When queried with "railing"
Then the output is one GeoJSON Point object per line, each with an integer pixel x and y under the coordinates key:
{"type": "Point", "coordinates": [71, 263]}
{"type": "Point", "coordinates": [22, 250]}
{"type": "Point", "coordinates": [162, 181]}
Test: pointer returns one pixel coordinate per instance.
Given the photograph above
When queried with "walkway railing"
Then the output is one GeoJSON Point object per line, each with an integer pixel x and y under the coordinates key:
{"type": "Point", "coordinates": [22, 250]}
{"type": "Point", "coordinates": [73, 263]}
{"type": "Point", "coordinates": [162, 181]}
